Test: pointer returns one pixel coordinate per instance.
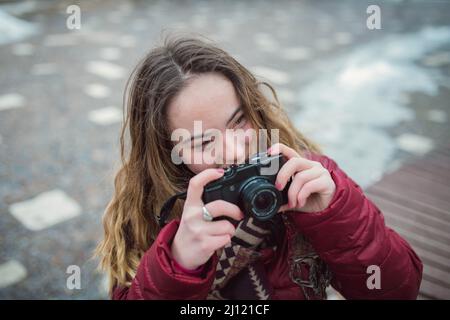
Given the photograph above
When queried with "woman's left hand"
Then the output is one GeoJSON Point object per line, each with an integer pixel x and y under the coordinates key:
{"type": "Point", "coordinates": [312, 187]}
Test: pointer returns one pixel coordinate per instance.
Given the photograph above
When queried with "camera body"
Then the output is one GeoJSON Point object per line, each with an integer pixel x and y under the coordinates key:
{"type": "Point", "coordinates": [251, 186]}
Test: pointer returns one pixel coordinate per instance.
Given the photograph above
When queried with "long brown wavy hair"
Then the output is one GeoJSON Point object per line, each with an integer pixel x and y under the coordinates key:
{"type": "Point", "coordinates": [147, 176]}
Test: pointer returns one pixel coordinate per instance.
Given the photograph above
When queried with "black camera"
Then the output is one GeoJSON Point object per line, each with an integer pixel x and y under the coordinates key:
{"type": "Point", "coordinates": [251, 186]}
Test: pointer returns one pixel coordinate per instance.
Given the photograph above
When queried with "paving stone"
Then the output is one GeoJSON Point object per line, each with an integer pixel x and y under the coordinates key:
{"type": "Point", "coordinates": [97, 90]}
{"type": "Point", "coordinates": [106, 70]}
{"type": "Point", "coordinates": [11, 272]}
{"type": "Point", "coordinates": [414, 143]}
{"type": "Point", "coordinates": [11, 101]}
{"type": "Point", "coordinates": [105, 116]}
{"type": "Point", "coordinates": [45, 210]}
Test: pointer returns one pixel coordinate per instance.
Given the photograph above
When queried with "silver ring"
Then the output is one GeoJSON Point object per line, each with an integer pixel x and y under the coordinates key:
{"type": "Point", "coordinates": [206, 215]}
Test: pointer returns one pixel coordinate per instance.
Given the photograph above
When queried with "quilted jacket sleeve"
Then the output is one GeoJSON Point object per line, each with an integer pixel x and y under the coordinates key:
{"type": "Point", "coordinates": [159, 278]}
{"type": "Point", "coordinates": [350, 235]}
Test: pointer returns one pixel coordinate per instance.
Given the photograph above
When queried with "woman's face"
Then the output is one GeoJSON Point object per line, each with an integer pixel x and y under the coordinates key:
{"type": "Point", "coordinates": [206, 107]}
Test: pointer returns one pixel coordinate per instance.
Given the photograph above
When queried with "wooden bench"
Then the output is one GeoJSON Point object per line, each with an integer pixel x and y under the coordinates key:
{"type": "Point", "coordinates": [415, 200]}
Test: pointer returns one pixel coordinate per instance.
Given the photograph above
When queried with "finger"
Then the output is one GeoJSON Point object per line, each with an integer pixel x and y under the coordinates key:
{"type": "Point", "coordinates": [220, 228]}
{"type": "Point", "coordinates": [278, 148]}
{"type": "Point", "coordinates": [217, 242]}
{"type": "Point", "coordinates": [284, 207]}
{"type": "Point", "coordinates": [300, 179]}
{"type": "Point", "coordinates": [289, 169]}
{"type": "Point", "coordinates": [309, 188]}
{"type": "Point", "coordinates": [198, 182]}
{"type": "Point", "coordinates": [219, 208]}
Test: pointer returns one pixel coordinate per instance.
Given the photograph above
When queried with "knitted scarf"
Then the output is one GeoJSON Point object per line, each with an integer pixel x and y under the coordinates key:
{"type": "Point", "coordinates": [240, 274]}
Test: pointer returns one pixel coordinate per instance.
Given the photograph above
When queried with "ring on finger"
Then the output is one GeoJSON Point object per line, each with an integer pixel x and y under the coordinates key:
{"type": "Point", "coordinates": [206, 215]}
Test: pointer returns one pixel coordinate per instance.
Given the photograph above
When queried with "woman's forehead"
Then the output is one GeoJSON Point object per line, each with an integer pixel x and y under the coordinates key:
{"type": "Point", "coordinates": [210, 98]}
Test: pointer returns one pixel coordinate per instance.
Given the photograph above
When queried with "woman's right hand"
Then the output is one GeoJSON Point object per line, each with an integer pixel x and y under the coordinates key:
{"type": "Point", "coordinates": [196, 239]}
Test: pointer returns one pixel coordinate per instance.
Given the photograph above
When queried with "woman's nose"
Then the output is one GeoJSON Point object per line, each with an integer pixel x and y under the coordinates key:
{"type": "Point", "coordinates": [235, 148]}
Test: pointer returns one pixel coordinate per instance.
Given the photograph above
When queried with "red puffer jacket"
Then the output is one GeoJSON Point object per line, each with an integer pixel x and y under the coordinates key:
{"type": "Point", "coordinates": [349, 236]}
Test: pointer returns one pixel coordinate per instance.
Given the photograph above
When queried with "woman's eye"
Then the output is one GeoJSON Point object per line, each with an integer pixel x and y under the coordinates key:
{"type": "Point", "coordinates": [203, 145]}
{"type": "Point", "coordinates": [241, 120]}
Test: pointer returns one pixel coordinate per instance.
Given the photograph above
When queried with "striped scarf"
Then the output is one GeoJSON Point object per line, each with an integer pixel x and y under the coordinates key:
{"type": "Point", "coordinates": [241, 276]}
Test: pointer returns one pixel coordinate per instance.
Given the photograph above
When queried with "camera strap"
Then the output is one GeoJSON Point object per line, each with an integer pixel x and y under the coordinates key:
{"type": "Point", "coordinates": [168, 206]}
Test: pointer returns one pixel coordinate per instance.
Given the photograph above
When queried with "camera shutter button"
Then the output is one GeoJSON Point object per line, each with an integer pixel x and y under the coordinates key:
{"type": "Point", "coordinates": [228, 172]}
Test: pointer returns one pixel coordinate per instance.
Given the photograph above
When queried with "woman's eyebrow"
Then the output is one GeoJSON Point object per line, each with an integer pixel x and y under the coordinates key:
{"type": "Point", "coordinates": [239, 108]}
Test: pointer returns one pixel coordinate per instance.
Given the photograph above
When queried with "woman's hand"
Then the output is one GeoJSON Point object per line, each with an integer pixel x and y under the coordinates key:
{"type": "Point", "coordinates": [312, 187]}
{"type": "Point", "coordinates": [196, 239]}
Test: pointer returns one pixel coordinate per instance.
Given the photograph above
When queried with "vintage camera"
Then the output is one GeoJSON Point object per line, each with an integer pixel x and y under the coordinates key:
{"type": "Point", "coordinates": [251, 186]}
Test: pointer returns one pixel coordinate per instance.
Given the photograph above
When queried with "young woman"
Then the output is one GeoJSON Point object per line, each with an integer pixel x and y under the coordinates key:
{"type": "Point", "coordinates": [328, 233]}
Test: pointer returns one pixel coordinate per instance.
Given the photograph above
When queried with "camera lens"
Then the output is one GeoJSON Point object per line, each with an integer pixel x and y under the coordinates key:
{"type": "Point", "coordinates": [263, 200]}
{"type": "Point", "coordinates": [260, 198]}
